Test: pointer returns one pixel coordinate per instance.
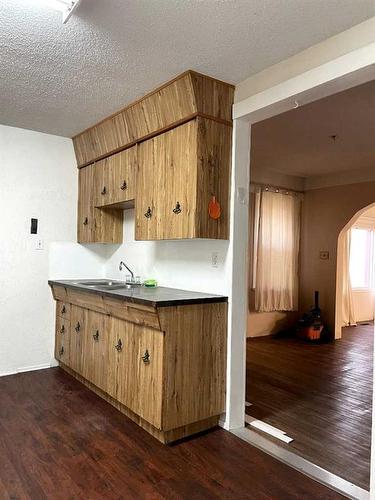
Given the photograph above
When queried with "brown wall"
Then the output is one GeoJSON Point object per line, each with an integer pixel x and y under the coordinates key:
{"type": "Point", "coordinates": [325, 212]}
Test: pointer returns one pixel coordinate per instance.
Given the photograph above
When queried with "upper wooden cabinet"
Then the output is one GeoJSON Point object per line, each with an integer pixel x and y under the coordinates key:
{"type": "Point", "coordinates": [95, 225]}
{"type": "Point", "coordinates": [189, 95]}
{"type": "Point", "coordinates": [179, 172]}
{"type": "Point", "coordinates": [170, 154]}
{"type": "Point", "coordinates": [114, 179]}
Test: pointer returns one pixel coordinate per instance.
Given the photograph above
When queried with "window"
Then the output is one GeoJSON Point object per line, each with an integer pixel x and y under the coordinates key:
{"type": "Point", "coordinates": [361, 265]}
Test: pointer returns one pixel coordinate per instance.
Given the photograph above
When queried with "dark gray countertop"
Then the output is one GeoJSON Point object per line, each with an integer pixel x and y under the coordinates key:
{"type": "Point", "coordinates": [157, 297]}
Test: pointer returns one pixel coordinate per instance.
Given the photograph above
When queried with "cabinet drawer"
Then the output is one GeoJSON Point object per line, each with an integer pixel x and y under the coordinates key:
{"type": "Point", "coordinates": [62, 340]}
{"type": "Point", "coordinates": [63, 309]}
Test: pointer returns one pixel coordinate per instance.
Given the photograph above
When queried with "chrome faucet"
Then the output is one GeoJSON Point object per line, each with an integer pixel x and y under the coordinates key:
{"type": "Point", "coordinates": [122, 265]}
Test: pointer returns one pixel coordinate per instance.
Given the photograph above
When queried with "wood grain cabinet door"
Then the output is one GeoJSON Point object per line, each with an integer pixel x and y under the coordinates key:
{"type": "Point", "coordinates": [147, 353]}
{"type": "Point", "coordinates": [78, 324]}
{"type": "Point", "coordinates": [101, 190]}
{"type": "Point", "coordinates": [121, 175]}
{"type": "Point", "coordinates": [114, 181]}
{"type": "Point", "coordinates": [118, 378]}
{"type": "Point", "coordinates": [150, 185]}
{"type": "Point", "coordinates": [180, 201]}
{"type": "Point", "coordinates": [135, 368]}
{"type": "Point", "coordinates": [95, 344]}
{"type": "Point", "coordinates": [62, 340]}
{"type": "Point", "coordinates": [86, 220]}
{"type": "Point", "coordinates": [166, 185]}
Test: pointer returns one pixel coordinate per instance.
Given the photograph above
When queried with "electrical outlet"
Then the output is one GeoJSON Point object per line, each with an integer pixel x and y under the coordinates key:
{"type": "Point", "coordinates": [39, 245]}
{"type": "Point", "coordinates": [215, 259]}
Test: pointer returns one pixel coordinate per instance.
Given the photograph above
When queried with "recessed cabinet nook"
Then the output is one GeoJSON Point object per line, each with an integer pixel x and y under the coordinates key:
{"type": "Point", "coordinates": [160, 361]}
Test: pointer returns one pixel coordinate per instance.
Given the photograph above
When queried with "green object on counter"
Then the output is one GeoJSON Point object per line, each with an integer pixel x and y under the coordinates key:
{"type": "Point", "coordinates": [151, 283]}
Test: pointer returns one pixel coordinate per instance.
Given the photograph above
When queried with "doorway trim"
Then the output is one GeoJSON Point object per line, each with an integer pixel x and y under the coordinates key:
{"type": "Point", "coordinates": [344, 72]}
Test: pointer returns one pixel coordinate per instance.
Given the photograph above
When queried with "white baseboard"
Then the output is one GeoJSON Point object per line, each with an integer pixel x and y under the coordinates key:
{"type": "Point", "coordinates": [32, 368]}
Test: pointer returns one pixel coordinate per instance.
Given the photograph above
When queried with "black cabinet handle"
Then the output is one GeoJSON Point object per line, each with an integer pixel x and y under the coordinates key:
{"type": "Point", "coordinates": [118, 346]}
{"type": "Point", "coordinates": [96, 336]}
{"type": "Point", "coordinates": [124, 186]}
{"type": "Point", "coordinates": [177, 208]}
{"type": "Point", "coordinates": [104, 190]}
{"type": "Point", "coordinates": [63, 310]}
{"type": "Point", "coordinates": [62, 329]}
{"type": "Point", "coordinates": [146, 357]}
{"type": "Point", "coordinates": [78, 327]}
{"type": "Point", "coordinates": [85, 221]}
{"type": "Point", "coordinates": [148, 214]}
{"type": "Point", "coordinates": [61, 352]}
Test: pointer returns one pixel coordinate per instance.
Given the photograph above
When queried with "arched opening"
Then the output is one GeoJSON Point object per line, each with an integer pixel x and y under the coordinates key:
{"type": "Point", "coordinates": [342, 314]}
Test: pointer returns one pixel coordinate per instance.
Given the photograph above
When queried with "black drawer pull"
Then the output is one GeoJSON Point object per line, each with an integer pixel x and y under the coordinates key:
{"type": "Point", "coordinates": [148, 214]}
{"type": "Point", "coordinates": [96, 336]}
{"type": "Point", "coordinates": [61, 352]}
{"type": "Point", "coordinates": [63, 310]}
{"type": "Point", "coordinates": [146, 357]}
{"type": "Point", "coordinates": [78, 327]}
{"type": "Point", "coordinates": [85, 221]}
{"type": "Point", "coordinates": [124, 186]}
{"type": "Point", "coordinates": [118, 346]}
{"type": "Point", "coordinates": [62, 329]}
{"type": "Point", "coordinates": [177, 208]}
{"type": "Point", "coordinates": [104, 190]}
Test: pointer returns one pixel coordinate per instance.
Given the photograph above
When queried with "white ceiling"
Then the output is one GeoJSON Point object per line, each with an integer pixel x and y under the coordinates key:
{"type": "Point", "coordinates": [61, 79]}
{"type": "Point", "coordinates": [299, 141]}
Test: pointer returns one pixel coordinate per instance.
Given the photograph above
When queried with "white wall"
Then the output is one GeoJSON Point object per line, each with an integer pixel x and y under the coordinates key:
{"type": "Point", "coordinates": [343, 43]}
{"type": "Point", "coordinates": [39, 180]}
{"type": "Point", "coordinates": [185, 264]}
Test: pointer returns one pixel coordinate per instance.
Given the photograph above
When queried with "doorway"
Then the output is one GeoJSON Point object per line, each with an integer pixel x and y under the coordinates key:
{"type": "Point", "coordinates": [317, 394]}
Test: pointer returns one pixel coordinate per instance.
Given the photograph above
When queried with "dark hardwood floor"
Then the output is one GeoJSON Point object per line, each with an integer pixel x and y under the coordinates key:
{"type": "Point", "coordinates": [321, 395]}
{"type": "Point", "coordinates": [58, 440]}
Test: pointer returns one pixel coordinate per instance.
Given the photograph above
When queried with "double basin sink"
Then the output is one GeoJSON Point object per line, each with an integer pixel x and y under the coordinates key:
{"type": "Point", "coordinates": [107, 284]}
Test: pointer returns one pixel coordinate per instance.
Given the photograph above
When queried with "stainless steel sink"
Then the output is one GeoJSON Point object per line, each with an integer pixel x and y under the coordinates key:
{"type": "Point", "coordinates": [107, 284]}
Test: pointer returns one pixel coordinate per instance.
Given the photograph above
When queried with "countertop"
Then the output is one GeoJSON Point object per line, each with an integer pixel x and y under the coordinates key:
{"type": "Point", "coordinates": [157, 297]}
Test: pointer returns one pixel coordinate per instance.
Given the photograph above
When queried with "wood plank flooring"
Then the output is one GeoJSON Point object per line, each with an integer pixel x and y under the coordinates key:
{"type": "Point", "coordinates": [58, 440]}
{"type": "Point", "coordinates": [320, 395]}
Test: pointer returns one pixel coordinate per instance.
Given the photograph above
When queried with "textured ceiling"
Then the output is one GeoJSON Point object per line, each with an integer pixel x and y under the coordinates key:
{"type": "Point", "coordinates": [61, 79]}
{"type": "Point", "coordinates": [299, 142]}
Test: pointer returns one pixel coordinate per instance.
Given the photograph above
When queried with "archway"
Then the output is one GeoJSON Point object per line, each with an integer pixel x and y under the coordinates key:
{"type": "Point", "coordinates": [339, 322]}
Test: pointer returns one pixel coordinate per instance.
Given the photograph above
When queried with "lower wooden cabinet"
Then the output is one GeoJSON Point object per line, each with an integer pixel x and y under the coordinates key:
{"type": "Point", "coordinates": [162, 367]}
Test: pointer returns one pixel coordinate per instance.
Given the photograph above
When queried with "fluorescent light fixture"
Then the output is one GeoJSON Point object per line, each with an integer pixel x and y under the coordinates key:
{"type": "Point", "coordinates": [66, 7]}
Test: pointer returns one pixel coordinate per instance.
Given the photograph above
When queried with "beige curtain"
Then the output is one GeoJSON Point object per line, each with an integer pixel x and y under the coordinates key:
{"type": "Point", "coordinates": [278, 252]}
{"type": "Point", "coordinates": [256, 222]}
{"type": "Point", "coordinates": [348, 316]}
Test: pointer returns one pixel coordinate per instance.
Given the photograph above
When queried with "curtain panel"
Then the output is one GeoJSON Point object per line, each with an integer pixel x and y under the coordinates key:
{"type": "Point", "coordinates": [277, 265]}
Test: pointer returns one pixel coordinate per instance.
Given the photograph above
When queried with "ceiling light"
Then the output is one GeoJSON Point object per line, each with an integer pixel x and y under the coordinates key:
{"type": "Point", "coordinates": [66, 7]}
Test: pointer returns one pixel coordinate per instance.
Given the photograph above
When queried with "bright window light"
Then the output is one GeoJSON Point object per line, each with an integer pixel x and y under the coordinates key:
{"type": "Point", "coordinates": [361, 266]}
